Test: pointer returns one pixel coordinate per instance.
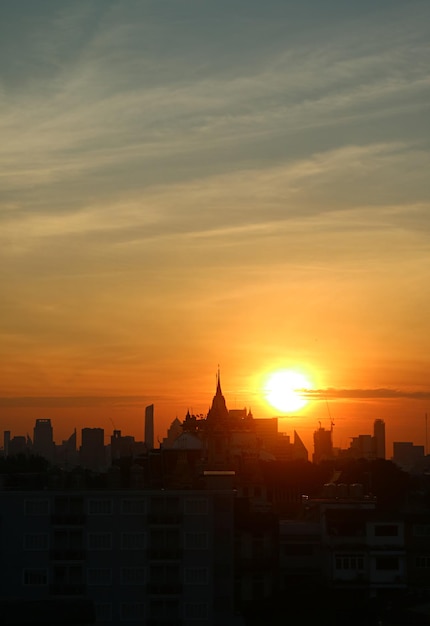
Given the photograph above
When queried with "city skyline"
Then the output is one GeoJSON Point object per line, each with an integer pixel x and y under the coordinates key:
{"type": "Point", "coordinates": [338, 443]}
{"type": "Point", "coordinates": [235, 183]}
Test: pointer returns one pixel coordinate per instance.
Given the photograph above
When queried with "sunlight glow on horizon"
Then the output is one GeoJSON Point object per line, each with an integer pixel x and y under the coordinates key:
{"type": "Point", "coordinates": [284, 389]}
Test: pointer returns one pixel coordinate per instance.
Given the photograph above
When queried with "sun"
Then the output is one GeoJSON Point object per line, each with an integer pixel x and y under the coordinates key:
{"type": "Point", "coordinates": [284, 390]}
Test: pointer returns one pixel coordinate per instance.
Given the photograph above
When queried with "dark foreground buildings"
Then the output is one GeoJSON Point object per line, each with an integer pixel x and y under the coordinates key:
{"type": "Point", "coordinates": [214, 530]}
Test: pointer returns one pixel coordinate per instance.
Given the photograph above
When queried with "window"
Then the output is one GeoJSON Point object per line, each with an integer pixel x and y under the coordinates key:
{"type": "Point", "coordinates": [196, 576]}
{"type": "Point", "coordinates": [68, 574]}
{"type": "Point", "coordinates": [196, 610]}
{"type": "Point", "coordinates": [423, 562]}
{"type": "Point", "coordinates": [133, 506]}
{"type": "Point", "coordinates": [165, 538]}
{"type": "Point", "coordinates": [164, 609]}
{"type": "Point", "coordinates": [133, 541]}
{"type": "Point", "coordinates": [196, 506]}
{"type": "Point", "coordinates": [387, 563]}
{"type": "Point", "coordinates": [164, 574]}
{"type": "Point", "coordinates": [103, 611]}
{"type": "Point", "coordinates": [386, 530]}
{"type": "Point", "coordinates": [196, 541]}
{"type": "Point", "coordinates": [68, 505]}
{"type": "Point", "coordinates": [36, 541]}
{"type": "Point", "coordinates": [99, 576]}
{"type": "Point", "coordinates": [35, 577]}
{"type": "Point", "coordinates": [68, 539]}
{"type": "Point", "coordinates": [354, 562]}
{"type": "Point", "coordinates": [132, 611]}
{"type": "Point", "coordinates": [100, 507]}
{"type": "Point", "coordinates": [36, 507]}
{"type": "Point", "coordinates": [165, 505]}
{"type": "Point", "coordinates": [132, 575]}
{"type": "Point", "coordinates": [99, 541]}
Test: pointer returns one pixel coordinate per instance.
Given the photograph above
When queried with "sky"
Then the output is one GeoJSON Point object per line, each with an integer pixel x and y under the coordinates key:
{"type": "Point", "coordinates": [194, 184]}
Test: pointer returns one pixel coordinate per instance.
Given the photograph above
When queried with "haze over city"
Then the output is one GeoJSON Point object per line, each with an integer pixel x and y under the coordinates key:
{"type": "Point", "coordinates": [194, 184]}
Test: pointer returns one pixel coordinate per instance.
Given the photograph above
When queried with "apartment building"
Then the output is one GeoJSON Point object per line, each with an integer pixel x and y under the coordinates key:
{"type": "Point", "coordinates": [143, 557]}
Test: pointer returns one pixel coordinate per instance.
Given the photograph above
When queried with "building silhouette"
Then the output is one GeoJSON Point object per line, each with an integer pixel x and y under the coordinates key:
{"type": "Point", "coordinates": [149, 427]}
{"type": "Point", "coordinates": [18, 445]}
{"type": "Point", "coordinates": [408, 456]}
{"type": "Point", "coordinates": [142, 557]}
{"type": "Point", "coordinates": [6, 442]}
{"type": "Point", "coordinates": [92, 452]}
{"type": "Point", "coordinates": [66, 454]}
{"type": "Point", "coordinates": [379, 438]}
{"type": "Point", "coordinates": [43, 439]}
{"type": "Point", "coordinates": [323, 445]}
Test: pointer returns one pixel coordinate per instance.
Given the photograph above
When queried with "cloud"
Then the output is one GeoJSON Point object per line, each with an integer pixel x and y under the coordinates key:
{"type": "Point", "coordinates": [245, 199]}
{"type": "Point", "coordinates": [64, 402]}
{"type": "Point", "coordinates": [114, 107]}
{"type": "Point", "coordinates": [365, 394]}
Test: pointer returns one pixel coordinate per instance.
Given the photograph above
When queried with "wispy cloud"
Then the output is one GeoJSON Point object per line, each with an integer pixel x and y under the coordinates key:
{"type": "Point", "coordinates": [105, 108]}
{"type": "Point", "coordinates": [364, 394]}
{"type": "Point", "coordinates": [306, 198]}
{"type": "Point", "coordinates": [61, 402]}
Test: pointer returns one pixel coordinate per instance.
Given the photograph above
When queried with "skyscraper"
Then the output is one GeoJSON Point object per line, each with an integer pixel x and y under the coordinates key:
{"type": "Point", "coordinates": [323, 445]}
{"type": "Point", "coordinates": [149, 427]}
{"type": "Point", "coordinates": [43, 439]}
{"type": "Point", "coordinates": [92, 452]}
{"type": "Point", "coordinates": [6, 441]}
{"type": "Point", "coordinates": [379, 438]}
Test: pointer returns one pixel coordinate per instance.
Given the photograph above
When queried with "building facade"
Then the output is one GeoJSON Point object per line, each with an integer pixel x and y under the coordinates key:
{"type": "Point", "coordinates": [154, 557]}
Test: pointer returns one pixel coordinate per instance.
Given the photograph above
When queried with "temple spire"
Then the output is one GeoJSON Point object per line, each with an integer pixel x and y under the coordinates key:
{"type": "Point", "coordinates": [218, 411]}
{"type": "Point", "coordinates": [218, 383]}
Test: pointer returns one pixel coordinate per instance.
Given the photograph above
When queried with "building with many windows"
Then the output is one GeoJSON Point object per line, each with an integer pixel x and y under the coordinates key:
{"type": "Point", "coordinates": [152, 557]}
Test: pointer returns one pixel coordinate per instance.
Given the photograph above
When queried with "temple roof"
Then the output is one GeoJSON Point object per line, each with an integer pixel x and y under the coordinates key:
{"type": "Point", "coordinates": [218, 411]}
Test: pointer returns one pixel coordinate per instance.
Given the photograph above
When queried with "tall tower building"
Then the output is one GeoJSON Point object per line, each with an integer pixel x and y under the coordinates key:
{"type": "Point", "coordinates": [6, 442]}
{"type": "Point", "coordinates": [323, 445]}
{"type": "Point", "coordinates": [149, 427]}
{"type": "Point", "coordinates": [379, 438]}
{"type": "Point", "coordinates": [218, 431]}
{"type": "Point", "coordinates": [43, 439]}
{"type": "Point", "coordinates": [92, 452]}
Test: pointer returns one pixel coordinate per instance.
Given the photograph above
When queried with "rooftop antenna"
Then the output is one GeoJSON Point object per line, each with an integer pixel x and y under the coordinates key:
{"type": "Point", "coordinates": [328, 411]}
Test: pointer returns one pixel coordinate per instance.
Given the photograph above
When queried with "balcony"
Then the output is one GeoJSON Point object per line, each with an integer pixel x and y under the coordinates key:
{"type": "Point", "coordinates": [165, 519]}
{"type": "Point", "coordinates": [164, 621]}
{"type": "Point", "coordinates": [67, 589]}
{"type": "Point", "coordinates": [165, 589]}
{"type": "Point", "coordinates": [167, 554]}
{"type": "Point", "coordinates": [67, 554]}
{"type": "Point", "coordinates": [68, 519]}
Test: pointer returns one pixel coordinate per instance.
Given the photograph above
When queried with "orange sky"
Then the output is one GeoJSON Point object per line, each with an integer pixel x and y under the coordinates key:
{"type": "Point", "coordinates": [191, 184]}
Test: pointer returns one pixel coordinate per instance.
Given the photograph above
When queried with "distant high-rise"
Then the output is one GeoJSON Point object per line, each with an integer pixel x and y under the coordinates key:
{"type": "Point", "coordinates": [149, 427]}
{"type": "Point", "coordinates": [323, 445]}
{"type": "Point", "coordinates": [43, 439]}
{"type": "Point", "coordinates": [6, 441]}
{"type": "Point", "coordinates": [408, 456]}
{"type": "Point", "coordinates": [18, 445]}
{"type": "Point", "coordinates": [121, 446]}
{"type": "Point", "coordinates": [299, 448]}
{"type": "Point", "coordinates": [379, 438]}
{"type": "Point", "coordinates": [92, 452]}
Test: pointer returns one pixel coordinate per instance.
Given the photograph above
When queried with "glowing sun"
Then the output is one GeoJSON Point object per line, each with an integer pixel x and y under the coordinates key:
{"type": "Point", "coordinates": [284, 390]}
